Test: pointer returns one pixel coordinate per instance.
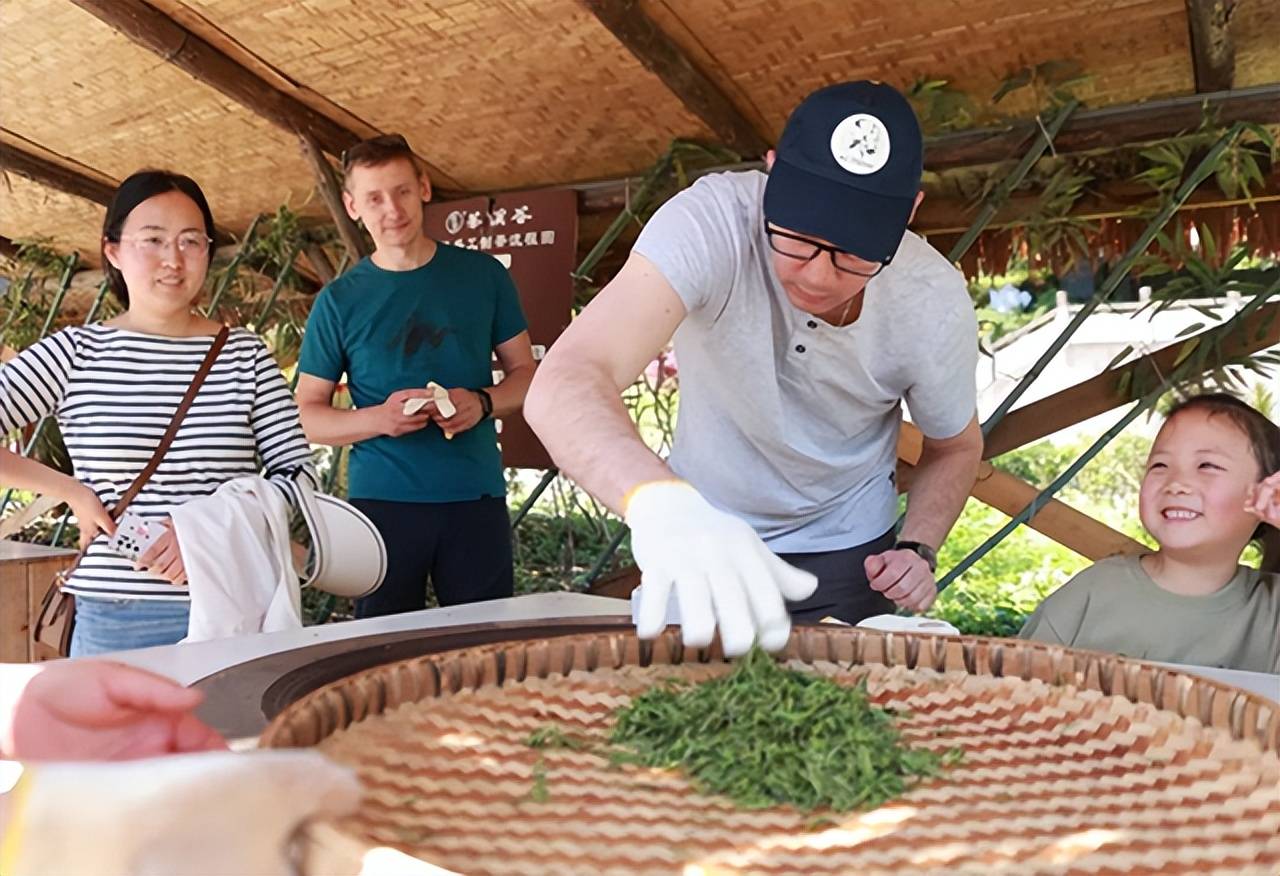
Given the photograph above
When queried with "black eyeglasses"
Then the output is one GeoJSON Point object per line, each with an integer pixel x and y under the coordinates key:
{"type": "Point", "coordinates": [805, 250]}
{"type": "Point", "coordinates": [381, 142]}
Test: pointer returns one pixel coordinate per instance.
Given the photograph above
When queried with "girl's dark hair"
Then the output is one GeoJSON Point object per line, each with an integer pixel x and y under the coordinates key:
{"type": "Point", "coordinates": [1264, 440]}
{"type": "Point", "coordinates": [133, 191]}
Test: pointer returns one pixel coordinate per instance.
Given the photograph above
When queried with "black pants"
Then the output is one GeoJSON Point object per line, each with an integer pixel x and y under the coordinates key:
{"type": "Point", "coordinates": [843, 591]}
{"type": "Point", "coordinates": [464, 548]}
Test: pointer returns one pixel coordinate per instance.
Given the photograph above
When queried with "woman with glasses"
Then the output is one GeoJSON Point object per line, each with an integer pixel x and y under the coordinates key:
{"type": "Point", "coordinates": [113, 389]}
{"type": "Point", "coordinates": [803, 315]}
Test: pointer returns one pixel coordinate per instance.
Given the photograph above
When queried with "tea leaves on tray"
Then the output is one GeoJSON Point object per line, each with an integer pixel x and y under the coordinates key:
{"type": "Point", "coordinates": [764, 735]}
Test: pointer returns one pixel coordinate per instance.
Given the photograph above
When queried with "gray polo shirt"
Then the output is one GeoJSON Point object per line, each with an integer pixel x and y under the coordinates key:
{"type": "Point", "coordinates": [786, 421]}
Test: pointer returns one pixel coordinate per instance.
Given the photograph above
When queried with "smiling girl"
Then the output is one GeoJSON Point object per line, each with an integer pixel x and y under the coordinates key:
{"type": "Point", "coordinates": [113, 389]}
{"type": "Point", "coordinates": [1212, 485]}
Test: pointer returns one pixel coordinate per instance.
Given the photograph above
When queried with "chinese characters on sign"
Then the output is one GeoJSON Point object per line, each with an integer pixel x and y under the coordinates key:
{"type": "Point", "coordinates": [535, 235]}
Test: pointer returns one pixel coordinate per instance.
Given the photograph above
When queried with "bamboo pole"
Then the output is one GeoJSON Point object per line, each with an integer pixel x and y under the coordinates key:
{"type": "Point", "coordinates": [242, 252]}
{"type": "Point", "coordinates": [1044, 140]}
{"type": "Point", "coordinates": [630, 213]}
{"type": "Point", "coordinates": [547, 477]}
{"type": "Point", "coordinates": [331, 190]}
{"type": "Point", "coordinates": [18, 295]}
{"type": "Point", "coordinates": [1202, 172]}
{"type": "Point", "coordinates": [1048, 492]}
{"type": "Point", "coordinates": [281, 278]}
{"type": "Point", "coordinates": [1188, 347]}
{"type": "Point", "coordinates": [64, 283]}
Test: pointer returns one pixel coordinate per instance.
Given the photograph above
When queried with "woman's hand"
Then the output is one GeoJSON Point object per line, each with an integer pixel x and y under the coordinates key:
{"type": "Point", "coordinates": [90, 514]}
{"type": "Point", "coordinates": [163, 558]}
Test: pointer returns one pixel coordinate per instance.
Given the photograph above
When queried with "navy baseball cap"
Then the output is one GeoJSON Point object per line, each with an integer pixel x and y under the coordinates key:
{"type": "Point", "coordinates": [847, 169]}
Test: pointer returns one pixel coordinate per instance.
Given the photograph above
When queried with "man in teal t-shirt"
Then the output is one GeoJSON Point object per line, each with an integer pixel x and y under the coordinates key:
{"type": "Point", "coordinates": [413, 313]}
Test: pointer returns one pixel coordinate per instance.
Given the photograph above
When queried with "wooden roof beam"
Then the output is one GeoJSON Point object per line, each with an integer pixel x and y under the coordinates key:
{"type": "Point", "coordinates": [661, 56]}
{"type": "Point", "coordinates": [47, 172]}
{"type": "Point", "coordinates": [1213, 52]}
{"type": "Point", "coordinates": [157, 32]}
{"type": "Point", "coordinates": [1084, 131]}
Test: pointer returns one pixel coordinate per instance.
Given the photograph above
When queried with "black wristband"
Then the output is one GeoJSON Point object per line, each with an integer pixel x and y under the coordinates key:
{"type": "Point", "coordinates": [486, 403]}
{"type": "Point", "coordinates": [926, 553]}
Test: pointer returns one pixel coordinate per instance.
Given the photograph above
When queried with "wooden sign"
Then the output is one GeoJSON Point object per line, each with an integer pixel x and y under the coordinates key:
{"type": "Point", "coordinates": [535, 235]}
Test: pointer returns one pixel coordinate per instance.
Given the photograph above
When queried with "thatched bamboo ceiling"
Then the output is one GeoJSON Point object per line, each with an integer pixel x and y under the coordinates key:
{"type": "Point", "coordinates": [500, 94]}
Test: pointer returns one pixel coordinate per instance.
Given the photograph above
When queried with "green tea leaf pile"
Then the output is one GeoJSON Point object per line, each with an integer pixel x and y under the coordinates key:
{"type": "Point", "coordinates": [764, 735]}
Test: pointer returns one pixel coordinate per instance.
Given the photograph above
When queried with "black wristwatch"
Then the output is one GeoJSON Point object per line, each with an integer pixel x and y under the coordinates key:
{"type": "Point", "coordinates": [926, 553]}
{"type": "Point", "coordinates": [486, 404]}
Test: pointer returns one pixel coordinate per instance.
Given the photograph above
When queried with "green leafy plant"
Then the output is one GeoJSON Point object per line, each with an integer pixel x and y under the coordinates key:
{"type": "Point", "coordinates": [940, 107]}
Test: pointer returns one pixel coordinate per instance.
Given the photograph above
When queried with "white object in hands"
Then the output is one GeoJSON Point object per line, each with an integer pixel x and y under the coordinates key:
{"type": "Point", "coordinates": [439, 395]}
{"type": "Point", "coordinates": [719, 569]}
{"type": "Point", "coordinates": [896, 623]}
{"type": "Point", "coordinates": [133, 535]}
{"type": "Point", "coordinates": [214, 813]}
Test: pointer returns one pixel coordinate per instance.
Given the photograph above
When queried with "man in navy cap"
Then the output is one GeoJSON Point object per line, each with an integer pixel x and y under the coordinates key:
{"type": "Point", "coordinates": [803, 314]}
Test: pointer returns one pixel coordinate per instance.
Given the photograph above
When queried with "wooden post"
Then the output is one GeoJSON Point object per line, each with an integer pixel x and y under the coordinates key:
{"type": "Point", "coordinates": [664, 58]}
{"type": "Point", "coordinates": [1213, 52]}
{"type": "Point", "coordinates": [331, 190]}
{"type": "Point", "coordinates": [320, 262]}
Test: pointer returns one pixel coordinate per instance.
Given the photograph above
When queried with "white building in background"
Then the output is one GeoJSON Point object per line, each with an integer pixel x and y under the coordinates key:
{"type": "Point", "coordinates": [1102, 337]}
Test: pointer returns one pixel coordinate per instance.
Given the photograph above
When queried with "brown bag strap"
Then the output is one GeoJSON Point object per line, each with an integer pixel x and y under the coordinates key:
{"type": "Point", "coordinates": [166, 440]}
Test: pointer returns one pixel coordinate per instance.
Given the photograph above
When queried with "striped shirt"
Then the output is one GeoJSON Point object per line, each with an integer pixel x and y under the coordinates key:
{"type": "Point", "coordinates": [114, 392]}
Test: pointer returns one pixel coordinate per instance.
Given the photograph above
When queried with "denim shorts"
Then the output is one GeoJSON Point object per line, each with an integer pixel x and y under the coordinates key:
{"type": "Point", "coordinates": [105, 625]}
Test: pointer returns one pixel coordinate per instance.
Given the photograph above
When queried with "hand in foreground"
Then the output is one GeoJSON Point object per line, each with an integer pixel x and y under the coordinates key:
{"type": "Point", "coordinates": [721, 571]}
{"type": "Point", "coordinates": [904, 577]}
{"type": "Point", "coordinates": [394, 422]}
{"type": "Point", "coordinates": [97, 710]}
{"type": "Point", "coordinates": [1264, 500]}
{"type": "Point", "coordinates": [213, 813]}
{"type": "Point", "coordinates": [90, 514]}
{"type": "Point", "coordinates": [468, 411]}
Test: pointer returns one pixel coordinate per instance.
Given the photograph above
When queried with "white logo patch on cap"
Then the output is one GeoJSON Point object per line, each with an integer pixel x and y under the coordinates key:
{"type": "Point", "coordinates": [860, 144]}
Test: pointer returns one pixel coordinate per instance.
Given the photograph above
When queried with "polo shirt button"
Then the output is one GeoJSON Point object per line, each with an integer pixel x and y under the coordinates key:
{"type": "Point", "coordinates": [812, 324]}
{"type": "Point", "coordinates": [799, 348]}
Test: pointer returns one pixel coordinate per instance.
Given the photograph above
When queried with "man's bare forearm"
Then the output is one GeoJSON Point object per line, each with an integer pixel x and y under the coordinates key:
{"type": "Point", "coordinates": [940, 486]}
{"type": "Point", "coordinates": [580, 419]}
{"type": "Point", "coordinates": [325, 424]}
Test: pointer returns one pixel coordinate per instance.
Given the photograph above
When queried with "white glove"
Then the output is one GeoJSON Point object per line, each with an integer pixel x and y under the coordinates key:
{"type": "Point", "coordinates": [189, 814]}
{"type": "Point", "coordinates": [720, 569]}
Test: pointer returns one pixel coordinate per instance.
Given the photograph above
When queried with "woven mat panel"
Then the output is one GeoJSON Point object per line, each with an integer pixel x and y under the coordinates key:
{"type": "Point", "coordinates": [78, 88]}
{"type": "Point", "coordinates": [498, 93]}
{"type": "Point", "coordinates": [29, 210]}
{"type": "Point", "coordinates": [1255, 29]}
{"type": "Point", "coordinates": [1073, 763]}
{"type": "Point", "coordinates": [776, 51]}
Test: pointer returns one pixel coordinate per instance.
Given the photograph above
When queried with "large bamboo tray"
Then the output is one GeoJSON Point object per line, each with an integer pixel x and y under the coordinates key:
{"type": "Point", "coordinates": [1074, 763]}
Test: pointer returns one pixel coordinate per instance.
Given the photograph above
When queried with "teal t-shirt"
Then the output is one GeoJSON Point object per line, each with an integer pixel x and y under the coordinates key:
{"type": "Point", "coordinates": [393, 330]}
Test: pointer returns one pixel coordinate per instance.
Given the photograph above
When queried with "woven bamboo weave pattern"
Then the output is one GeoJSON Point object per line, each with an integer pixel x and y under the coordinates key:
{"type": "Point", "coordinates": [497, 93]}
{"type": "Point", "coordinates": [116, 107]}
{"type": "Point", "coordinates": [32, 211]}
{"type": "Point", "coordinates": [776, 50]}
{"type": "Point", "coordinates": [1073, 763]}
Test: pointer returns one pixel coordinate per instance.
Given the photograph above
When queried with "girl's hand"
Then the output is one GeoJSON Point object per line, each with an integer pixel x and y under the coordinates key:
{"type": "Point", "coordinates": [1264, 500]}
{"type": "Point", "coordinates": [90, 514]}
{"type": "Point", "coordinates": [163, 558]}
